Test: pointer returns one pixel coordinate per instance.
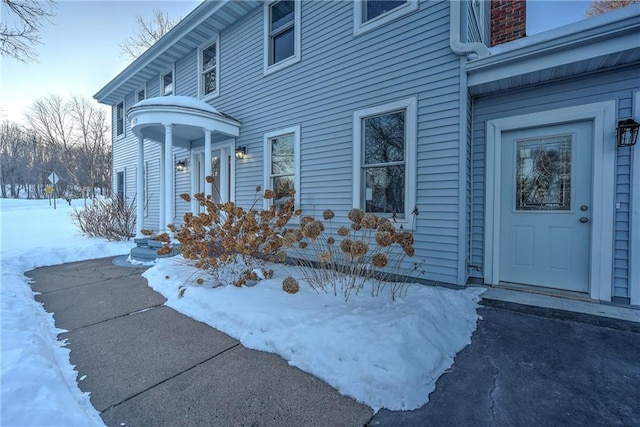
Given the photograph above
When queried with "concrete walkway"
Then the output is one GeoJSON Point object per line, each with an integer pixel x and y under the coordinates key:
{"type": "Point", "coordinates": [148, 365]}
{"type": "Point", "coordinates": [145, 364]}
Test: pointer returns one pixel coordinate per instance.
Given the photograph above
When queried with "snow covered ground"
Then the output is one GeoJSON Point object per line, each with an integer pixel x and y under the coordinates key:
{"type": "Point", "coordinates": [382, 353]}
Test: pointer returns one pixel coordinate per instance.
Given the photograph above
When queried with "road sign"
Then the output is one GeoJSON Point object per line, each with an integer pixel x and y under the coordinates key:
{"type": "Point", "coordinates": [53, 178]}
{"type": "Point", "coordinates": [48, 189]}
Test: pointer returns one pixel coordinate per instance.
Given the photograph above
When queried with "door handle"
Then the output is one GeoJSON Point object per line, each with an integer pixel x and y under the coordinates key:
{"type": "Point", "coordinates": [584, 220]}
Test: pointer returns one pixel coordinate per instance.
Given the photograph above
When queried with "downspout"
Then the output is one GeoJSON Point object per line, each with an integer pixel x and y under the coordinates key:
{"type": "Point", "coordinates": [481, 50]}
{"type": "Point", "coordinates": [457, 46]}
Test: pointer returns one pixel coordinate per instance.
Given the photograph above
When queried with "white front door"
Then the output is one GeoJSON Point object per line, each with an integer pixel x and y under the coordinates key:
{"type": "Point", "coordinates": [546, 206]}
{"type": "Point", "coordinates": [221, 173]}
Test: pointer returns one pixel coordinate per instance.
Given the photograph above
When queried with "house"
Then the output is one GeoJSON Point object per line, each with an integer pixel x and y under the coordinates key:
{"type": "Point", "coordinates": [506, 144]}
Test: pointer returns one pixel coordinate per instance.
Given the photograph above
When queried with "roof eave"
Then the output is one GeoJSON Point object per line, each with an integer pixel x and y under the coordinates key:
{"type": "Point", "coordinates": [191, 21]}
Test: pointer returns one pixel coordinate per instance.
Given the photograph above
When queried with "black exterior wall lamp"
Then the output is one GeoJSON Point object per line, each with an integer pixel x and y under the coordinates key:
{"type": "Point", "coordinates": [627, 132]}
{"type": "Point", "coordinates": [241, 152]}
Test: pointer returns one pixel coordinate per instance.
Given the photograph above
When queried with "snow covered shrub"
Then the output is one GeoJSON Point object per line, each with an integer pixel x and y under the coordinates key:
{"type": "Point", "coordinates": [371, 251]}
{"type": "Point", "coordinates": [228, 241]}
{"type": "Point", "coordinates": [113, 219]}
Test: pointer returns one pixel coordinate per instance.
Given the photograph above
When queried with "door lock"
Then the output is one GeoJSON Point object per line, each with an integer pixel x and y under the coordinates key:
{"type": "Point", "coordinates": [584, 220]}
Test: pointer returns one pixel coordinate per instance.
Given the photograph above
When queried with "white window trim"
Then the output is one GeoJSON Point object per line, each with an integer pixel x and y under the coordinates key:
{"type": "Point", "coordinates": [411, 128]}
{"type": "Point", "coordinates": [268, 69]}
{"type": "Point", "coordinates": [135, 94]}
{"type": "Point", "coordinates": [603, 115]}
{"type": "Point", "coordinates": [634, 229]}
{"type": "Point", "coordinates": [215, 40]}
{"type": "Point", "coordinates": [172, 69]}
{"type": "Point", "coordinates": [295, 130]}
{"type": "Point", "coordinates": [360, 27]}
{"type": "Point", "coordinates": [124, 120]}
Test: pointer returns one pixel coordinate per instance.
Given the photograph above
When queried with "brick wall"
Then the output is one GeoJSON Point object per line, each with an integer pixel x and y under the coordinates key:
{"type": "Point", "coordinates": [508, 20]}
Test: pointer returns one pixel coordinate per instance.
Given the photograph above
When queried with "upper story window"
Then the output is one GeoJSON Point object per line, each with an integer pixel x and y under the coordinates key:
{"type": "Point", "coordinates": [208, 65]}
{"type": "Point", "coordinates": [282, 168]}
{"type": "Point", "coordinates": [120, 119]}
{"type": "Point", "coordinates": [141, 95]}
{"type": "Point", "coordinates": [370, 14]}
{"type": "Point", "coordinates": [384, 159]}
{"type": "Point", "coordinates": [281, 34]}
{"type": "Point", "coordinates": [167, 84]}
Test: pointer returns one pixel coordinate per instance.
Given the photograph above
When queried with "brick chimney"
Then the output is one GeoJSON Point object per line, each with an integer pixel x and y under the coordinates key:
{"type": "Point", "coordinates": [508, 20]}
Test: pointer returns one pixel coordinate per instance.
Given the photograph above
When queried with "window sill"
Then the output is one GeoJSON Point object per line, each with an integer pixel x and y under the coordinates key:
{"type": "Point", "coordinates": [210, 96]}
{"type": "Point", "coordinates": [270, 69]}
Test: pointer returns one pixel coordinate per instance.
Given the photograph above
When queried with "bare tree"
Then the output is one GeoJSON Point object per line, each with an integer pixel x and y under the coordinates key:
{"type": "Point", "coordinates": [20, 27]}
{"type": "Point", "coordinates": [598, 7]}
{"type": "Point", "coordinates": [148, 33]}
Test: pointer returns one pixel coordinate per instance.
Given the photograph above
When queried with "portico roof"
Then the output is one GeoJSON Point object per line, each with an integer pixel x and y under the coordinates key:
{"type": "Point", "coordinates": [190, 119]}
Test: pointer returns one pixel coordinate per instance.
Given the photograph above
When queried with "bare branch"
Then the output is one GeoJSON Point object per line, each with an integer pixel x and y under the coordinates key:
{"type": "Point", "coordinates": [598, 7]}
{"type": "Point", "coordinates": [21, 25]}
{"type": "Point", "coordinates": [148, 33]}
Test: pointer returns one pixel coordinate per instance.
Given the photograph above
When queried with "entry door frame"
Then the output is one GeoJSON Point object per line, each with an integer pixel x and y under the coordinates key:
{"type": "Point", "coordinates": [603, 115]}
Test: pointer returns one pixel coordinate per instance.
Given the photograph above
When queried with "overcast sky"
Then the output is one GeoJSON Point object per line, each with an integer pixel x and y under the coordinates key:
{"type": "Point", "coordinates": [80, 51]}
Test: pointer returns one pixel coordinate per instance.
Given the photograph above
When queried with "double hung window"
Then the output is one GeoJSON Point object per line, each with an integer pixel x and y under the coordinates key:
{"type": "Point", "coordinates": [370, 14]}
{"type": "Point", "coordinates": [282, 34]}
{"type": "Point", "coordinates": [209, 78]}
{"type": "Point", "coordinates": [120, 119]}
{"type": "Point", "coordinates": [385, 159]}
{"type": "Point", "coordinates": [282, 169]}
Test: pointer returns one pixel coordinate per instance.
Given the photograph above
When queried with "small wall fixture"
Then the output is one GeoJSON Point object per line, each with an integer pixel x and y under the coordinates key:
{"type": "Point", "coordinates": [241, 152]}
{"type": "Point", "coordinates": [627, 132]}
{"type": "Point", "coordinates": [181, 165]}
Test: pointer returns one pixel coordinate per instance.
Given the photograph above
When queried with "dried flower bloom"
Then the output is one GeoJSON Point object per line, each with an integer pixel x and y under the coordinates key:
{"type": "Point", "coordinates": [298, 234]}
{"type": "Point", "coordinates": [359, 248]}
{"type": "Point", "coordinates": [331, 241]}
{"type": "Point", "coordinates": [313, 229]}
{"type": "Point", "coordinates": [164, 237]}
{"type": "Point", "coordinates": [379, 260]}
{"type": "Point", "coordinates": [200, 281]}
{"type": "Point", "coordinates": [210, 179]}
{"type": "Point", "coordinates": [146, 232]}
{"type": "Point", "coordinates": [185, 197]}
{"type": "Point", "coordinates": [324, 257]}
{"type": "Point", "coordinates": [370, 221]}
{"type": "Point", "coordinates": [290, 285]}
{"type": "Point", "coordinates": [356, 215]}
{"type": "Point", "coordinates": [303, 245]}
{"type": "Point", "coordinates": [165, 250]}
{"type": "Point", "coordinates": [282, 256]}
{"type": "Point", "coordinates": [343, 231]}
{"type": "Point", "coordinates": [356, 226]}
{"type": "Point", "coordinates": [297, 212]}
{"type": "Point", "coordinates": [306, 220]}
{"type": "Point", "coordinates": [345, 246]}
{"type": "Point", "coordinates": [328, 214]}
{"type": "Point", "coordinates": [268, 194]}
{"type": "Point", "coordinates": [404, 238]}
{"type": "Point", "coordinates": [384, 238]}
{"type": "Point", "coordinates": [409, 250]}
{"type": "Point", "coordinates": [258, 189]}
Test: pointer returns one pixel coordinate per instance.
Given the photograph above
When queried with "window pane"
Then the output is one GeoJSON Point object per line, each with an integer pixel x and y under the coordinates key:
{"type": "Point", "coordinates": [384, 138]}
{"type": "Point", "coordinates": [543, 174]}
{"type": "Point", "coordinates": [209, 57]}
{"type": "Point", "coordinates": [167, 83]}
{"type": "Point", "coordinates": [281, 14]}
{"type": "Point", "coordinates": [282, 187]}
{"type": "Point", "coordinates": [140, 95]}
{"type": "Point", "coordinates": [384, 189]}
{"type": "Point", "coordinates": [375, 8]}
{"type": "Point", "coordinates": [283, 45]}
{"type": "Point", "coordinates": [209, 82]}
{"type": "Point", "coordinates": [282, 155]}
{"type": "Point", "coordinates": [120, 119]}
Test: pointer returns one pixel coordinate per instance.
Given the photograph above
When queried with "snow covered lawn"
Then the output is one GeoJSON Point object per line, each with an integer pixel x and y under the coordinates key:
{"type": "Point", "coordinates": [382, 353]}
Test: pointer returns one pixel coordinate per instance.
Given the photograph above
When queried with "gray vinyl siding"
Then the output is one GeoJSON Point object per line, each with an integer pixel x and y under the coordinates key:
{"type": "Point", "coordinates": [124, 152]}
{"type": "Point", "coordinates": [338, 74]}
{"type": "Point", "coordinates": [610, 85]}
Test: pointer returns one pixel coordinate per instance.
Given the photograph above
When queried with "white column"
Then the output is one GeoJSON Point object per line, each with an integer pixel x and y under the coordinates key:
{"type": "Point", "coordinates": [140, 188]}
{"type": "Point", "coordinates": [163, 184]}
{"type": "Point", "coordinates": [194, 181]}
{"type": "Point", "coordinates": [169, 171]}
{"type": "Point", "coordinates": [207, 161]}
